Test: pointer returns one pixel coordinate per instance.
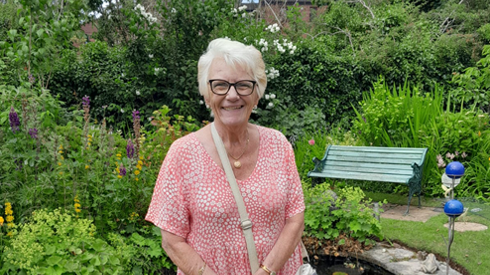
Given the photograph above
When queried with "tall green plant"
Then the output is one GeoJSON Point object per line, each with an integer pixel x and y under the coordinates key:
{"type": "Point", "coordinates": [395, 117]}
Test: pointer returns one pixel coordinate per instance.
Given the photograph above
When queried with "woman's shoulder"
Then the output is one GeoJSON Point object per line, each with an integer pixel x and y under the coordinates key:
{"type": "Point", "coordinates": [271, 135]}
{"type": "Point", "coordinates": [184, 143]}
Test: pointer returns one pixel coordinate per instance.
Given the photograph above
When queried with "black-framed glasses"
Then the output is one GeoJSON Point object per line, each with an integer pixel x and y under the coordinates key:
{"type": "Point", "coordinates": [222, 87]}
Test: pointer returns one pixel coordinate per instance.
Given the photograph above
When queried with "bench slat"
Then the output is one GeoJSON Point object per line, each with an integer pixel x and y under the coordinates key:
{"type": "Point", "coordinates": [367, 170]}
{"type": "Point", "coordinates": [360, 159]}
{"type": "Point", "coordinates": [376, 149]}
{"type": "Point", "coordinates": [368, 155]}
{"type": "Point", "coordinates": [362, 176]}
{"type": "Point", "coordinates": [368, 165]}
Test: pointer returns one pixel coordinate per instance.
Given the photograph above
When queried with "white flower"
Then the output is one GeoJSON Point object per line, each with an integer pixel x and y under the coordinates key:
{"type": "Point", "coordinates": [201, 102]}
{"type": "Point", "coordinates": [122, 75]}
{"type": "Point", "coordinates": [267, 97]}
{"type": "Point", "coordinates": [140, 8]}
{"type": "Point", "coordinates": [173, 10]}
{"type": "Point", "coordinates": [138, 92]}
{"type": "Point", "coordinates": [273, 95]}
{"type": "Point", "coordinates": [242, 8]}
{"type": "Point", "coordinates": [244, 39]}
{"type": "Point", "coordinates": [109, 16]}
{"type": "Point", "coordinates": [244, 15]}
{"type": "Point", "coordinates": [150, 56]}
{"type": "Point", "coordinates": [122, 111]}
{"type": "Point", "coordinates": [149, 119]}
{"type": "Point", "coordinates": [270, 104]}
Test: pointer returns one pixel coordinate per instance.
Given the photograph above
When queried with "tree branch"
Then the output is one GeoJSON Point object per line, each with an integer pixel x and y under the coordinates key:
{"type": "Point", "coordinates": [277, 19]}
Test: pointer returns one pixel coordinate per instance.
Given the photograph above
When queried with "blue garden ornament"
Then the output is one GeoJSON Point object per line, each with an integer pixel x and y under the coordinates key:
{"type": "Point", "coordinates": [453, 208]}
{"type": "Point", "coordinates": [455, 170]}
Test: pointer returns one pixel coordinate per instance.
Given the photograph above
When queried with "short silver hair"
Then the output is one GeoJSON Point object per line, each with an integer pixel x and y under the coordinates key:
{"type": "Point", "coordinates": [234, 53]}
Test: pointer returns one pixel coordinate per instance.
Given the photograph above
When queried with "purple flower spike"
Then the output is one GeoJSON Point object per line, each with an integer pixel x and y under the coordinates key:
{"type": "Point", "coordinates": [14, 120]}
{"type": "Point", "coordinates": [122, 171]}
{"type": "Point", "coordinates": [33, 133]}
{"type": "Point", "coordinates": [130, 149]}
{"type": "Point", "coordinates": [136, 115]}
{"type": "Point", "coordinates": [86, 101]}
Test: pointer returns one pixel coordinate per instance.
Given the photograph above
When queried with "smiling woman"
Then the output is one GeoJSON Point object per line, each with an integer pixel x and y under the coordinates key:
{"type": "Point", "coordinates": [192, 202]}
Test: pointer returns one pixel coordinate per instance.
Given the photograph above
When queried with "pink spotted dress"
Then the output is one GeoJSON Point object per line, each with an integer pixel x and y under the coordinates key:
{"type": "Point", "coordinates": [193, 199]}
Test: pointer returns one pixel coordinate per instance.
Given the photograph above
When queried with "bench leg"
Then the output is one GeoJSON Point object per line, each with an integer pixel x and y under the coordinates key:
{"type": "Point", "coordinates": [409, 200]}
{"type": "Point", "coordinates": [420, 206]}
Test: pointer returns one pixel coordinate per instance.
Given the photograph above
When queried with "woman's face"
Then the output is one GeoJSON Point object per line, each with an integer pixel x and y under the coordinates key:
{"type": "Point", "coordinates": [231, 109]}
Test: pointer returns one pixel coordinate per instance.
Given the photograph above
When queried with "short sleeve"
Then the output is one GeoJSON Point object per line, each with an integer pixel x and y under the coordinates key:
{"type": "Point", "coordinates": [168, 209]}
{"type": "Point", "coordinates": [296, 202]}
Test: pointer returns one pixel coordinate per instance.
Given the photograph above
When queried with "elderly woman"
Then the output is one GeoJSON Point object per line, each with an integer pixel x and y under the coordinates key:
{"type": "Point", "coordinates": [193, 203]}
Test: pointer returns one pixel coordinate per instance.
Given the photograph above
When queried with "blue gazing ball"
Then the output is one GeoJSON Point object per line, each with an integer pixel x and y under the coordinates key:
{"type": "Point", "coordinates": [453, 208]}
{"type": "Point", "coordinates": [455, 170]}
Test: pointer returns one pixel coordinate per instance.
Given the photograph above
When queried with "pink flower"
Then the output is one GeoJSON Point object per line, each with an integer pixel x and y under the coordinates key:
{"type": "Point", "coordinates": [311, 142]}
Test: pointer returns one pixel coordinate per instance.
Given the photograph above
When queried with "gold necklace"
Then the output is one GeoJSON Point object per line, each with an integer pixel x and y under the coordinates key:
{"type": "Point", "coordinates": [237, 163]}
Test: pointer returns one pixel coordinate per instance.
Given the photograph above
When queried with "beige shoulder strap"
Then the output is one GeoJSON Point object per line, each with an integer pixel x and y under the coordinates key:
{"type": "Point", "coordinates": [245, 221]}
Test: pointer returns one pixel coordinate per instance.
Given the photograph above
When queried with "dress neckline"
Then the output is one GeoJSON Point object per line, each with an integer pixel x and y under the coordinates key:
{"type": "Point", "coordinates": [259, 156]}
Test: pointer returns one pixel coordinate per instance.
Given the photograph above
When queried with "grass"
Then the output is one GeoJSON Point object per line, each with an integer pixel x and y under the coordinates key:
{"type": "Point", "coordinates": [469, 249]}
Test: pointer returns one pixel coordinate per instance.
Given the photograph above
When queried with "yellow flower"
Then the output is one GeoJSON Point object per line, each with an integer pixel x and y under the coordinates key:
{"type": "Point", "coordinates": [119, 176]}
{"type": "Point", "coordinates": [87, 167]}
{"type": "Point", "coordinates": [9, 219]}
{"type": "Point", "coordinates": [118, 155]}
{"type": "Point", "coordinates": [1, 221]}
{"type": "Point", "coordinates": [62, 158]}
{"type": "Point", "coordinates": [141, 157]}
{"type": "Point", "coordinates": [140, 162]}
{"type": "Point", "coordinates": [89, 136]}
{"type": "Point", "coordinates": [117, 170]}
{"type": "Point", "coordinates": [89, 144]}
{"type": "Point", "coordinates": [61, 152]}
{"type": "Point", "coordinates": [61, 147]}
{"type": "Point", "coordinates": [61, 173]}
{"type": "Point", "coordinates": [479, 133]}
{"type": "Point", "coordinates": [137, 172]}
{"type": "Point", "coordinates": [139, 167]}
{"type": "Point", "coordinates": [136, 179]}
{"type": "Point", "coordinates": [59, 163]}
{"type": "Point", "coordinates": [10, 234]}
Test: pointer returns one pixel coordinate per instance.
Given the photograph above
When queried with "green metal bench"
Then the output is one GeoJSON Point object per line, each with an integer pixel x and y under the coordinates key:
{"type": "Point", "coordinates": [383, 164]}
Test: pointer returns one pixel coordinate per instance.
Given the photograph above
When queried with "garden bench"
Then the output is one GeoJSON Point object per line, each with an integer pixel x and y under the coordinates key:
{"type": "Point", "coordinates": [382, 164]}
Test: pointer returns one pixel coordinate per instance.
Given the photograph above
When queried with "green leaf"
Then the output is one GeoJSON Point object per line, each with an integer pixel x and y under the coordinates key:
{"type": "Point", "coordinates": [53, 260]}
{"type": "Point", "coordinates": [40, 32]}
{"type": "Point", "coordinates": [95, 261]}
{"type": "Point", "coordinates": [355, 226]}
{"type": "Point", "coordinates": [114, 260]}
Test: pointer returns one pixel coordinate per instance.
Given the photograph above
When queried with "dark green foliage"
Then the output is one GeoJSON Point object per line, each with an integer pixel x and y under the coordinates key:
{"type": "Point", "coordinates": [313, 76]}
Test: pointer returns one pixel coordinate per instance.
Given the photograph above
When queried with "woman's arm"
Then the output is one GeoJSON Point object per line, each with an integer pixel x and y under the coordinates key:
{"type": "Point", "coordinates": [285, 245]}
{"type": "Point", "coordinates": [183, 255]}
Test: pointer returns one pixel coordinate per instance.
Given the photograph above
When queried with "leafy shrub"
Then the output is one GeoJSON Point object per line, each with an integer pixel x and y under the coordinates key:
{"type": "Point", "coordinates": [55, 242]}
{"type": "Point", "coordinates": [455, 136]}
{"type": "Point", "coordinates": [474, 84]}
{"type": "Point", "coordinates": [326, 217]}
{"type": "Point", "coordinates": [141, 248]}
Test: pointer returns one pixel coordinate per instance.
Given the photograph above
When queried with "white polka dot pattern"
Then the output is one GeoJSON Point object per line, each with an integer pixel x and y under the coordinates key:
{"type": "Point", "coordinates": [193, 199]}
